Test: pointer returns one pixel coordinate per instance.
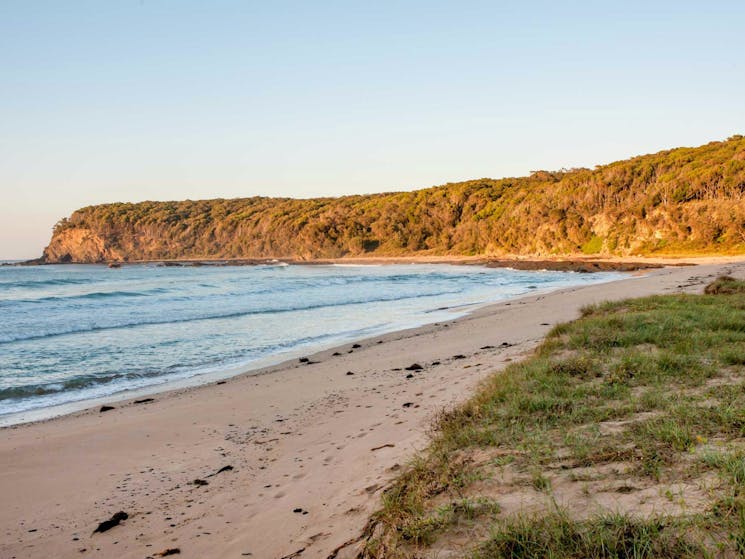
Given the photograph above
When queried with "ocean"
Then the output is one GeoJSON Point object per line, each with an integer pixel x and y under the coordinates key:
{"type": "Point", "coordinates": [71, 333]}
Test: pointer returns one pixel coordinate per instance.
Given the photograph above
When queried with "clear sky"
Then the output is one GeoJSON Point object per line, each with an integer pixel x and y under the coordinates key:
{"type": "Point", "coordinates": [129, 100]}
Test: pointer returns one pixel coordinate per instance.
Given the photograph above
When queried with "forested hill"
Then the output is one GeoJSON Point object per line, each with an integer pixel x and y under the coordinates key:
{"type": "Point", "coordinates": [686, 200]}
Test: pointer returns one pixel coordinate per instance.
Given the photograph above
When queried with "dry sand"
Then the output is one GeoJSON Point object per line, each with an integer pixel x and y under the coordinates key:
{"type": "Point", "coordinates": [311, 446]}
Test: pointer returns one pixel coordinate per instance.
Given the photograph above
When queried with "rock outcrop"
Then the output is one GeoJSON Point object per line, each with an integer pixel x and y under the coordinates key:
{"type": "Point", "coordinates": [79, 245]}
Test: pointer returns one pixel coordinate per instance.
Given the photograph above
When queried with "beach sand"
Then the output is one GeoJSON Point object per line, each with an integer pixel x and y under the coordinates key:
{"type": "Point", "coordinates": [311, 445]}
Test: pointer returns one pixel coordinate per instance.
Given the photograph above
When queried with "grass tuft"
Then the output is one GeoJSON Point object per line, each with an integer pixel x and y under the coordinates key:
{"type": "Point", "coordinates": [725, 285]}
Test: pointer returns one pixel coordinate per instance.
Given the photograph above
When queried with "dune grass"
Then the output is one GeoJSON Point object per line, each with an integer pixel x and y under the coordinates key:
{"type": "Point", "coordinates": [640, 397]}
{"type": "Point", "coordinates": [558, 536]}
{"type": "Point", "coordinates": [725, 285]}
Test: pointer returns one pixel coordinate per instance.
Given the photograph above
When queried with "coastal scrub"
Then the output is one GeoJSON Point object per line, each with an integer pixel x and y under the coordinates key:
{"type": "Point", "coordinates": [684, 201]}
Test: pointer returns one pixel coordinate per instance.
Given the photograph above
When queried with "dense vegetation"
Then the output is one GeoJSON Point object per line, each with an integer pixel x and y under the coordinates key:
{"type": "Point", "coordinates": [684, 200]}
{"type": "Point", "coordinates": [622, 436]}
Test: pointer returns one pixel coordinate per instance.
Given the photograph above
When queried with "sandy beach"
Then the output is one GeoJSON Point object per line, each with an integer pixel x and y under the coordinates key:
{"type": "Point", "coordinates": [287, 463]}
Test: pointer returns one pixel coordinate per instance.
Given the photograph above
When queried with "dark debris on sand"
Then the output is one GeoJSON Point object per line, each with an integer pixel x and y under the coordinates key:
{"type": "Point", "coordinates": [107, 525]}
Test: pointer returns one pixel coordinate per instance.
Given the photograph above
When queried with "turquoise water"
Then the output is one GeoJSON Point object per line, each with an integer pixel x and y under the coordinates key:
{"type": "Point", "coordinates": [71, 333]}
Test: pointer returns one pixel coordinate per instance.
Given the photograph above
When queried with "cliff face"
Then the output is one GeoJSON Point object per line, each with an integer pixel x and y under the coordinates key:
{"type": "Point", "coordinates": [79, 244]}
{"type": "Point", "coordinates": [682, 200]}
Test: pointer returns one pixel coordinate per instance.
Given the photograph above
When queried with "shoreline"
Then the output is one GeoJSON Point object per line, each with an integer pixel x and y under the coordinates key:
{"type": "Point", "coordinates": [197, 381]}
{"type": "Point", "coordinates": [308, 436]}
{"type": "Point", "coordinates": [266, 364]}
{"type": "Point", "coordinates": [577, 263]}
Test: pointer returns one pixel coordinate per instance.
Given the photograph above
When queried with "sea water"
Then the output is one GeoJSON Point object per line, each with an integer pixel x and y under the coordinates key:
{"type": "Point", "coordinates": [70, 333]}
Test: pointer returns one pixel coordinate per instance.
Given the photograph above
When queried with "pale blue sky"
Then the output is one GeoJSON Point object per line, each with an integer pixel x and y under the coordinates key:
{"type": "Point", "coordinates": [127, 100]}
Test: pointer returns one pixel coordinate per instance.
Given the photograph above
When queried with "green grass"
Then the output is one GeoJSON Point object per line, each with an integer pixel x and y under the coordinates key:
{"type": "Point", "coordinates": [725, 285]}
{"type": "Point", "coordinates": [667, 371]}
{"type": "Point", "coordinates": [593, 246]}
{"type": "Point", "coordinates": [557, 536]}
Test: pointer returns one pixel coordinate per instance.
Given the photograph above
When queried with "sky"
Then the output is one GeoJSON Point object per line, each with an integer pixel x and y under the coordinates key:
{"type": "Point", "coordinates": [129, 100]}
